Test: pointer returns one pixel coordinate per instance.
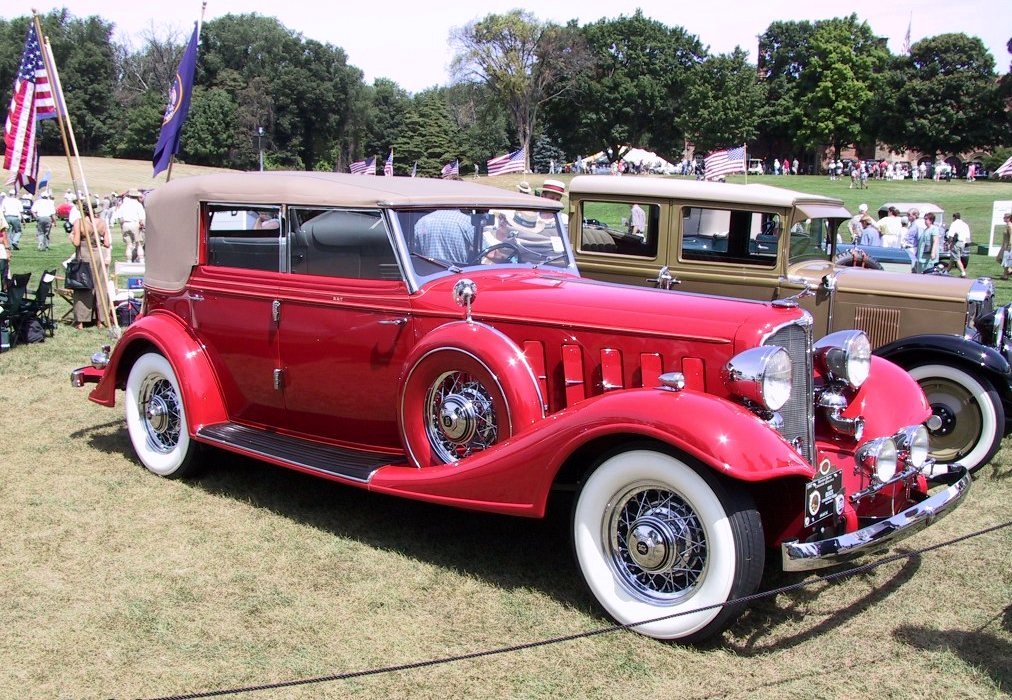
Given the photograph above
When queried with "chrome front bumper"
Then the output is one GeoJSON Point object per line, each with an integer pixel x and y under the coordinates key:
{"type": "Point", "coordinates": [805, 556]}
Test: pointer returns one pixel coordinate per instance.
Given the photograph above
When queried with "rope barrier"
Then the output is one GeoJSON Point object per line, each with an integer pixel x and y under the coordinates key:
{"type": "Point", "coordinates": [834, 576]}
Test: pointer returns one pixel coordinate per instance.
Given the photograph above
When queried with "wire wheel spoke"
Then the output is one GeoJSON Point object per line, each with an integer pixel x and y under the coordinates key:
{"type": "Point", "coordinates": [460, 416]}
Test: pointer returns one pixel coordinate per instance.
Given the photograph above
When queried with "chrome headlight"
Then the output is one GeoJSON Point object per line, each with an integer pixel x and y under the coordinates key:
{"type": "Point", "coordinates": [846, 356]}
{"type": "Point", "coordinates": [913, 442]}
{"type": "Point", "coordinates": [761, 376]}
{"type": "Point", "coordinates": [878, 456]}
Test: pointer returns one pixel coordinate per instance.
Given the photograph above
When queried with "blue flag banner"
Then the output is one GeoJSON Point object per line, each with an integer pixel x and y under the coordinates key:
{"type": "Point", "coordinates": [177, 108]}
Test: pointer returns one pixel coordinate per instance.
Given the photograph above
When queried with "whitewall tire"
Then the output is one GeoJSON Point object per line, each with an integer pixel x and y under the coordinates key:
{"type": "Point", "coordinates": [156, 418]}
{"type": "Point", "coordinates": [655, 537]}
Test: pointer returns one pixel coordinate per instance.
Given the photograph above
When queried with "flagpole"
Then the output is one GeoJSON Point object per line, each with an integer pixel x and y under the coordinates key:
{"type": "Point", "coordinates": [200, 26]}
{"type": "Point", "coordinates": [744, 158]}
{"type": "Point", "coordinates": [67, 134]}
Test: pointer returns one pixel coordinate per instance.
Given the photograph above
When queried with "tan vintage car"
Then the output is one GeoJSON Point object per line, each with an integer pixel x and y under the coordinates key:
{"type": "Point", "coordinates": [767, 243]}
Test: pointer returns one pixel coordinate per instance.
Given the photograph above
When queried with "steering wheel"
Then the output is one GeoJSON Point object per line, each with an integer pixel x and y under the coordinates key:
{"type": "Point", "coordinates": [504, 245]}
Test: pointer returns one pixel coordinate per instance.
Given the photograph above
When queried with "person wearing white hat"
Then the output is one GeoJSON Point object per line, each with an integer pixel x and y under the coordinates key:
{"type": "Point", "coordinates": [12, 212]}
{"type": "Point", "coordinates": [856, 226]}
{"type": "Point", "coordinates": [130, 214]}
{"type": "Point", "coordinates": [44, 211]}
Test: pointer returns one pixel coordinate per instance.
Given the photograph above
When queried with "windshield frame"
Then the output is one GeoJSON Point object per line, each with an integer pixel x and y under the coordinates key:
{"type": "Point", "coordinates": [415, 279]}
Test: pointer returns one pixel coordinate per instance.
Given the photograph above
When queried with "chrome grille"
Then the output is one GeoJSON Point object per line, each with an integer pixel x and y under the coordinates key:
{"type": "Point", "coordinates": [799, 411]}
{"type": "Point", "coordinates": [881, 325]}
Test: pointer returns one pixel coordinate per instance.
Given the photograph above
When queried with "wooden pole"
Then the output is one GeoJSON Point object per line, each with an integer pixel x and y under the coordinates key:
{"type": "Point", "coordinates": [100, 280]}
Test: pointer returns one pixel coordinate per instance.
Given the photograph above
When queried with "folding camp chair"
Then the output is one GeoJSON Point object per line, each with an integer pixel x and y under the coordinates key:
{"type": "Point", "coordinates": [12, 305]}
{"type": "Point", "coordinates": [40, 305]}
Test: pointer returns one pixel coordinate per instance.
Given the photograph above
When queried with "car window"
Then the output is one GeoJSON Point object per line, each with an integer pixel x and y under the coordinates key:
{"type": "Point", "coordinates": [341, 243]}
{"type": "Point", "coordinates": [620, 227]}
{"type": "Point", "coordinates": [249, 237]}
{"type": "Point", "coordinates": [730, 235]}
{"type": "Point", "coordinates": [811, 238]}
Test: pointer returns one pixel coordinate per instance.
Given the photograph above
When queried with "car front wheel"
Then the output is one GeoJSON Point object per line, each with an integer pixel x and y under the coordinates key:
{"type": "Point", "coordinates": [970, 411]}
{"type": "Point", "coordinates": [156, 418]}
{"type": "Point", "coordinates": [655, 538]}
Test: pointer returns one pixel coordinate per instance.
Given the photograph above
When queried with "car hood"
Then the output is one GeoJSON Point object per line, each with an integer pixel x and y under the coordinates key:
{"type": "Point", "coordinates": [884, 283]}
{"type": "Point", "coordinates": [568, 301]}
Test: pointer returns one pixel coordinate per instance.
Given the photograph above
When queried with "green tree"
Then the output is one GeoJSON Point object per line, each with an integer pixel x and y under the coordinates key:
{"type": "Point", "coordinates": [634, 91]}
{"type": "Point", "coordinates": [839, 84]}
{"type": "Point", "coordinates": [945, 97]}
{"type": "Point", "coordinates": [211, 134]}
{"type": "Point", "coordinates": [725, 102]}
{"type": "Point", "coordinates": [784, 53]}
{"type": "Point", "coordinates": [430, 136]}
{"type": "Point", "coordinates": [523, 61]}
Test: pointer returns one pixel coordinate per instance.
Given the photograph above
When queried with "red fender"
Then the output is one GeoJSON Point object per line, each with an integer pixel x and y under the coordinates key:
{"type": "Point", "coordinates": [515, 476]}
{"type": "Point", "coordinates": [486, 355]}
{"type": "Point", "coordinates": [163, 332]}
{"type": "Point", "coordinates": [889, 398]}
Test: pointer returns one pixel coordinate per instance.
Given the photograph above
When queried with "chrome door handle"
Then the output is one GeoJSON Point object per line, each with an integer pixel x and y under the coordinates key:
{"type": "Point", "coordinates": [393, 321]}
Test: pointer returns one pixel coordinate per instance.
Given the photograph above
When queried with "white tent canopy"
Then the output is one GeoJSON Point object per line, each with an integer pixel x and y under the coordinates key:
{"type": "Point", "coordinates": [636, 156]}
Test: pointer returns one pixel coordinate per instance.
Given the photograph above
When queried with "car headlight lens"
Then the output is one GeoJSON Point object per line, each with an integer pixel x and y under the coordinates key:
{"type": "Point", "coordinates": [845, 355]}
{"type": "Point", "coordinates": [761, 376]}
{"type": "Point", "coordinates": [914, 442]}
{"type": "Point", "coordinates": [878, 456]}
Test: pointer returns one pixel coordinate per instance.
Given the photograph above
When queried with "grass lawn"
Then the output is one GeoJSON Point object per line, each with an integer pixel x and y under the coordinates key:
{"type": "Point", "coordinates": [117, 583]}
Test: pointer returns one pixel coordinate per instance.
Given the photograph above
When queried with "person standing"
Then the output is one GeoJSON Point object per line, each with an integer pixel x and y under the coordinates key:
{"type": "Point", "coordinates": [856, 224]}
{"type": "Point", "coordinates": [638, 221]}
{"type": "Point", "coordinates": [909, 241]}
{"type": "Point", "coordinates": [959, 232]}
{"type": "Point", "coordinates": [891, 228]}
{"type": "Point", "coordinates": [44, 211]}
{"type": "Point", "coordinates": [132, 221]}
{"type": "Point", "coordinates": [5, 255]}
{"type": "Point", "coordinates": [12, 213]}
{"type": "Point", "coordinates": [1005, 252]}
{"type": "Point", "coordinates": [927, 244]}
{"type": "Point", "coordinates": [870, 234]}
{"type": "Point", "coordinates": [86, 229]}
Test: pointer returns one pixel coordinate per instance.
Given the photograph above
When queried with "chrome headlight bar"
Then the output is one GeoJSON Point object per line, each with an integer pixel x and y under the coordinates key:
{"type": "Point", "coordinates": [845, 356]}
{"type": "Point", "coordinates": [760, 376]}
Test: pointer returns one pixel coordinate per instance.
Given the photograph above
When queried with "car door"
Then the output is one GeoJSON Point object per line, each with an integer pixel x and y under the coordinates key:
{"type": "Point", "coordinates": [232, 297]}
{"type": "Point", "coordinates": [345, 327]}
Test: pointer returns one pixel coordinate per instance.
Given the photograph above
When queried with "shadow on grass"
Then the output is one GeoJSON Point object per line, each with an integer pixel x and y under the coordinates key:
{"type": "Point", "coordinates": [507, 551]}
{"type": "Point", "coordinates": [982, 650]}
{"type": "Point", "coordinates": [765, 615]}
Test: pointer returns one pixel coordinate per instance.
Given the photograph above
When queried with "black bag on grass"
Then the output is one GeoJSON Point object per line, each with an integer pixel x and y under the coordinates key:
{"type": "Point", "coordinates": [31, 331]}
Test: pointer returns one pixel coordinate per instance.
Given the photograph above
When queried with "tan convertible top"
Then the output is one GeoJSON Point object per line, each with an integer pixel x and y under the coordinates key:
{"type": "Point", "coordinates": [173, 210]}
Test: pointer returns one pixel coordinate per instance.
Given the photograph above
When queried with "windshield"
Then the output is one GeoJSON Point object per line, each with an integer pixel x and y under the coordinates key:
{"type": "Point", "coordinates": [812, 239]}
{"type": "Point", "coordinates": [454, 239]}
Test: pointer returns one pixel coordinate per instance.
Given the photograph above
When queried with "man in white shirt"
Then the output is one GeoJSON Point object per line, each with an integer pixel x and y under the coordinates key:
{"type": "Point", "coordinates": [959, 234]}
{"type": "Point", "coordinates": [891, 228]}
{"type": "Point", "coordinates": [131, 217]}
{"type": "Point", "coordinates": [44, 211]}
{"type": "Point", "coordinates": [12, 213]}
{"type": "Point", "coordinates": [856, 227]}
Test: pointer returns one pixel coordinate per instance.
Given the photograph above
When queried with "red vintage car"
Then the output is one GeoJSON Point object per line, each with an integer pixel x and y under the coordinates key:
{"type": "Point", "coordinates": [433, 340]}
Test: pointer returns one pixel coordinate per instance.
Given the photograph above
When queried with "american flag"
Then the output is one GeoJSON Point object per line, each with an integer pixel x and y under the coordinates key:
{"type": "Point", "coordinates": [31, 102]}
{"type": "Point", "coordinates": [514, 162]}
{"type": "Point", "coordinates": [1005, 170]}
{"type": "Point", "coordinates": [451, 169]}
{"type": "Point", "coordinates": [363, 167]}
{"type": "Point", "coordinates": [725, 162]}
{"type": "Point", "coordinates": [388, 166]}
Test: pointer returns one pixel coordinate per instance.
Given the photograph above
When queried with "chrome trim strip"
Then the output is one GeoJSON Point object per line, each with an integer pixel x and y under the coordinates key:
{"type": "Point", "coordinates": [805, 556]}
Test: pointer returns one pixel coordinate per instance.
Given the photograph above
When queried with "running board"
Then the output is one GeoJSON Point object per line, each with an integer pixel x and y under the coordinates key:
{"type": "Point", "coordinates": [357, 465]}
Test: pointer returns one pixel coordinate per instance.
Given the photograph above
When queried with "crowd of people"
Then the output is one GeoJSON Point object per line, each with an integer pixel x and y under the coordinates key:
{"type": "Point", "coordinates": [922, 236]}
{"type": "Point", "coordinates": [88, 225]}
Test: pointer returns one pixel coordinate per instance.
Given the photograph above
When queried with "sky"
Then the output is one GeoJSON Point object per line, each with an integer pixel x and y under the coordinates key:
{"type": "Point", "coordinates": [407, 41]}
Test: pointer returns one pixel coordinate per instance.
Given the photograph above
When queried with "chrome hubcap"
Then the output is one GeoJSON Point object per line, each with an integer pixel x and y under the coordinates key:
{"type": "Point", "coordinates": [162, 411]}
{"type": "Point", "coordinates": [459, 416]}
{"type": "Point", "coordinates": [657, 544]}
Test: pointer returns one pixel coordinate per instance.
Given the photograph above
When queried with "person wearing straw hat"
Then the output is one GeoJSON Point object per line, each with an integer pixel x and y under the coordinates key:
{"type": "Point", "coordinates": [131, 217]}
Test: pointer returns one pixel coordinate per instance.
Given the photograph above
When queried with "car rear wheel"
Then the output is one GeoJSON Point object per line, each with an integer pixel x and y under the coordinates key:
{"type": "Point", "coordinates": [156, 418]}
{"type": "Point", "coordinates": [971, 414]}
{"type": "Point", "coordinates": [655, 537]}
